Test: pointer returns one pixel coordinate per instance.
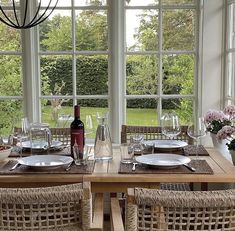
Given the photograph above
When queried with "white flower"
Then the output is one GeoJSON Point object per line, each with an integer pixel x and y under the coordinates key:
{"type": "Point", "coordinates": [225, 132]}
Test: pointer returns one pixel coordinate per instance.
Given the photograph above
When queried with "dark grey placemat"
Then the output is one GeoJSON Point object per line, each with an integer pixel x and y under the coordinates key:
{"type": "Point", "coordinates": [201, 167]}
{"type": "Point", "coordinates": [75, 169]}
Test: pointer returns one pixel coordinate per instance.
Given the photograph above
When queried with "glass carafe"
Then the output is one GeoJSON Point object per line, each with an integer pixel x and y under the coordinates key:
{"type": "Point", "coordinates": [103, 144]}
{"type": "Point", "coordinates": [40, 138]}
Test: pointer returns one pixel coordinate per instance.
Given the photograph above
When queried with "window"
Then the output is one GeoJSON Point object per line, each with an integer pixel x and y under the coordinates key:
{"type": "Point", "coordinates": [161, 59]}
{"type": "Point", "coordinates": [75, 62]}
{"type": "Point", "coordinates": [230, 54]}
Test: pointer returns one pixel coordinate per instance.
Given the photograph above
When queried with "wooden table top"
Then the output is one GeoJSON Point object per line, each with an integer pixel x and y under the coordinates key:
{"type": "Point", "coordinates": [106, 178]}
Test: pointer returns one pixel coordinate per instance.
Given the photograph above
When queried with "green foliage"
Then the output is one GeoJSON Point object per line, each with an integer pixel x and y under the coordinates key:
{"type": "Point", "coordinates": [231, 145]}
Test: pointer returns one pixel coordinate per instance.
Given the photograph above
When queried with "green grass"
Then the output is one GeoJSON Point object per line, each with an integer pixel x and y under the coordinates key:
{"type": "Point", "coordinates": [134, 116]}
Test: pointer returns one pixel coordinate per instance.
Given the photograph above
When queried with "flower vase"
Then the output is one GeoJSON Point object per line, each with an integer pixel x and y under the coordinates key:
{"type": "Point", "coordinates": [221, 147]}
{"type": "Point", "coordinates": [232, 153]}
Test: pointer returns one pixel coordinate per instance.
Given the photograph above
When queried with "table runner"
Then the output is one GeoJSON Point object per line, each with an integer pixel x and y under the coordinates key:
{"type": "Point", "coordinates": [75, 169]}
{"type": "Point", "coordinates": [201, 167]}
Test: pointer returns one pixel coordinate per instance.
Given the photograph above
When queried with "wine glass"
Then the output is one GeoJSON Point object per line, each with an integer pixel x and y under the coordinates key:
{"type": "Point", "coordinates": [196, 130]}
{"type": "Point", "coordinates": [89, 124]}
{"type": "Point", "coordinates": [170, 125]}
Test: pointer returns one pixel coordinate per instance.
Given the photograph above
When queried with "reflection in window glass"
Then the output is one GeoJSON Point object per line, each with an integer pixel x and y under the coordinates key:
{"type": "Point", "coordinates": [10, 75]}
{"type": "Point", "coordinates": [90, 2]}
{"type": "Point", "coordinates": [56, 75]}
{"type": "Point", "coordinates": [141, 3]}
{"type": "Point", "coordinates": [56, 32]}
{"type": "Point", "coordinates": [183, 107]}
{"type": "Point", "coordinates": [142, 112]}
{"type": "Point", "coordinates": [178, 74]}
{"type": "Point", "coordinates": [179, 30]}
{"type": "Point", "coordinates": [141, 30]}
{"type": "Point", "coordinates": [11, 112]}
{"type": "Point", "coordinates": [91, 30]}
{"type": "Point", "coordinates": [142, 75]}
{"type": "Point", "coordinates": [178, 2]}
{"type": "Point", "coordinates": [10, 38]}
{"type": "Point", "coordinates": [92, 75]}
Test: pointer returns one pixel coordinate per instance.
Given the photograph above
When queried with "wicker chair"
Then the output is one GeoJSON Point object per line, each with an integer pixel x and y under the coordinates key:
{"type": "Point", "coordinates": [58, 134]}
{"type": "Point", "coordinates": [158, 210]}
{"type": "Point", "coordinates": [151, 133]}
{"type": "Point", "coordinates": [66, 207]}
{"type": "Point", "coordinates": [155, 133]}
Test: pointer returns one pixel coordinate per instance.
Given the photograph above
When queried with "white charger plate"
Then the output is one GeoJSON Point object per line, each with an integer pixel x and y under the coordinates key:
{"type": "Point", "coordinates": [41, 145]}
{"type": "Point", "coordinates": [163, 160]}
{"type": "Point", "coordinates": [45, 161]}
{"type": "Point", "coordinates": [166, 144]}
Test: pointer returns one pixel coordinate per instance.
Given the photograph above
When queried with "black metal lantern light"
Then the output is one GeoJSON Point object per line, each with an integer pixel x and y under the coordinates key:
{"type": "Point", "coordinates": [17, 14]}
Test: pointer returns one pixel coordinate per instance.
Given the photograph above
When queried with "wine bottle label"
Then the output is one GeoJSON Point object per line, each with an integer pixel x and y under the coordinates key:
{"type": "Point", "coordinates": [78, 138]}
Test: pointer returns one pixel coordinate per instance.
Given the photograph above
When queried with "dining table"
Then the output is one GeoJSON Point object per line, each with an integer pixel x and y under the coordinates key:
{"type": "Point", "coordinates": [105, 176]}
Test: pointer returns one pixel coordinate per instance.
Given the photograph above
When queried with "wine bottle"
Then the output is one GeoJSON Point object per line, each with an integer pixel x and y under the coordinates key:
{"type": "Point", "coordinates": [77, 132]}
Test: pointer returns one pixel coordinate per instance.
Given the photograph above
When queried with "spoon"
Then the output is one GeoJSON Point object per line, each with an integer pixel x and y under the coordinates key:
{"type": "Point", "coordinates": [15, 166]}
{"type": "Point", "coordinates": [133, 167]}
{"type": "Point", "coordinates": [189, 167]}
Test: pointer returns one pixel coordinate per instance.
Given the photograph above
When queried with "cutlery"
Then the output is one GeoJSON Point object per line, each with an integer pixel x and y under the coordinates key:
{"type": "Point", "coordinates": [15, 166]}
{"type": "Point", "coordinates": [133, 167]}
{"type": "Point", "coordinates": [69, 166]}
{"type": "Point", "coordinates": [189, 167]}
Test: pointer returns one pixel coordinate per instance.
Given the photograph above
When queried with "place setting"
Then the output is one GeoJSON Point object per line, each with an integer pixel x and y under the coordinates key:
{"type": "Point", "coordinates": [167, 155]}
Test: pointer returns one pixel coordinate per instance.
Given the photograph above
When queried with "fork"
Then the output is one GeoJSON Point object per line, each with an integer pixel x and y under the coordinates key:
{"type": "Point", "coordinates": [15, 166]}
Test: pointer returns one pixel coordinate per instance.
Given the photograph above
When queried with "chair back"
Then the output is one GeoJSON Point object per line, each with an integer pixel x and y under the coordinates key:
{"type": "Point", "coordinates": [152, 209]}
{"type": "Point", "coordinates": [151, 133]}
{"type": "Point", "coordinates": [66, 207]}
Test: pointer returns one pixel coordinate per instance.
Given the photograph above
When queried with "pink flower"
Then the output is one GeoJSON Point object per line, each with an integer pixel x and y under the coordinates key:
{"type": "Point", "coordinates": [230, 111]}
{"type": "Point", "coordinates": [225, 132]}
{"type": "Point", "coordinates": [212, 115]}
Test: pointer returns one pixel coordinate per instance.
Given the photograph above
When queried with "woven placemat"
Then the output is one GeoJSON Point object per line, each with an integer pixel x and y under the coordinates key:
{"type": "Point", "coordinates": [189, 150]}
{"type": "Point", "coordinates": [201, 167]}
{"type": "Point", "coordinates": [75, 169]}
{"type": "Point", "coordinates": [192, 150]}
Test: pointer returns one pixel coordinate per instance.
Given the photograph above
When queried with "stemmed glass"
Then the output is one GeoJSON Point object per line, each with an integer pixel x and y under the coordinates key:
{"type": "Point", "coordinates": [88, 131]}
{"type": "Point", "coordinates": [170, 125]}
{"type": "Point", "coordinates": [196, 130]}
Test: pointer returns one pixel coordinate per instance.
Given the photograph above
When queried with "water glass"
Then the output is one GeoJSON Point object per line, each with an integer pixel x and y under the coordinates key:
{"type": "Point", "coordinates": [127, 153]}
{"type": "Point", "coordinates": [80, 154]}
{"type": "Point", "coordinates": [136, 141]}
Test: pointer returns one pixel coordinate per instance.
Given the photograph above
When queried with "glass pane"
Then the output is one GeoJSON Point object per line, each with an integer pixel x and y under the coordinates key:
{"type": "Point", "coordinates": [141, 112]}
{"type": "Point", "coordinates": [178, 2]}
{"type": "Point", "coordinates": [179, 30]}
{"type": "Point", "coordinates": [11, 111]}
{"type": "Point", "coordinates": [182, 107]}
{"type": "Point", "coordinates": [141, 3]}
{"type": "Point", "coordinates": [56, 32]}
{"type": "Point", "coordinates": [231, 26]}
{"type": "Point", "coordinates": [53, 2]}
{"type": "Point", "coordinates": [231, 75]}
{"type": "Point", "coordinates": [90, 2]}
{"type": "Point", "coordinates": [91, 30]}
{"type": "Point", "coordinates": [10, 76]}
{"type": "Point", "coordinates": [56, 75]}
{"type": "Point", "coordinates": [92, 75]}
{"type": "Point", "coordinates": [141, 30]}
{"type": "Point", "coordinates": [178, 74]}
{"type": "Point", "coordinates": [142, 75]}
{"type": "Point", "coordinates": [10, 38]}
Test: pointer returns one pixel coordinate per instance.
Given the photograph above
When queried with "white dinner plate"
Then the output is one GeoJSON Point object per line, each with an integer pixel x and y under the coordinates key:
{"type": "Point", "coordinates": [45, 161]}
{"type": "Point", "coordinates": [167, 144]}
{"type": "Point", "coordinates": [163, 160]}
{"type": "Point", "coordinates": [41, 145]}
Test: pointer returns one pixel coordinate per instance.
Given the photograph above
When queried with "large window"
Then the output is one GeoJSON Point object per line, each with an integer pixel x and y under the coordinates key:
{"type": "Point", "coordinates": [161, 59]}
{"type": "Point", "coordinates": [76, 62]}
{"type": "Point", "coordinates": [230, 53]}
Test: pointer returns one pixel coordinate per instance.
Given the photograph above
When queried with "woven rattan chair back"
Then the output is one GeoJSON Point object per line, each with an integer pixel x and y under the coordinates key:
{"type": "Point", "coordinates": [151, 133]}
{"type": "Point", "coordinates": [158, 210]}
{"type": "Point", "coordinates": [66, 207]}
{"type": "Point", "coordinates": [58, 134]}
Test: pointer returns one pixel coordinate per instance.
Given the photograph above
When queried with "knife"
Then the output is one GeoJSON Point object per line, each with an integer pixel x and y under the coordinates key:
{"type": "Point", "coordinates": [189, 167]}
